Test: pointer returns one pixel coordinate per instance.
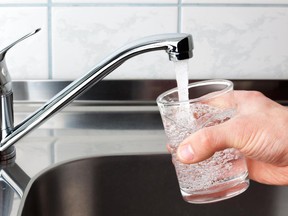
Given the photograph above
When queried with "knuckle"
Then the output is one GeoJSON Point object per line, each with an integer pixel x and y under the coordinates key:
{"type": "Point", "coordinates": [254, 94]}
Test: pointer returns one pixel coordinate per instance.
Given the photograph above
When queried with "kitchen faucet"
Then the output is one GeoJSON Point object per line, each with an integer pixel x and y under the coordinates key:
{"type": "Point", "coordinates": [178, 47]}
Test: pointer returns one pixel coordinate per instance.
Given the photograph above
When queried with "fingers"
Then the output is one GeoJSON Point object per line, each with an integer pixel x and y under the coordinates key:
{"type": "Point", "coordinates": [232, 134]}
{"type": "Point", "coordinates": [204, 143]}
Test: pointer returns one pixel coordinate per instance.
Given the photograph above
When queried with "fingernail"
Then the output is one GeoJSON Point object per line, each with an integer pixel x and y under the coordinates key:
{"type": "Point", "coordinates": [185, 153]}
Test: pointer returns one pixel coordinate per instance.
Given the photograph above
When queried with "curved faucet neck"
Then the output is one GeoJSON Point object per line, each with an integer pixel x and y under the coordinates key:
{"type": "Point", "coordinates": [178, 47]}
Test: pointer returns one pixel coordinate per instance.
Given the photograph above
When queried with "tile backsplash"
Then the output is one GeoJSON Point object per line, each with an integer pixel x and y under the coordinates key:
{"type": "Point", "coordinates": [235, 39]}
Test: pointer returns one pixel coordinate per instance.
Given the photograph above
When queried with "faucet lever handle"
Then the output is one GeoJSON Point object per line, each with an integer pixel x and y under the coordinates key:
{"type": "Point", "coordinates": [4, 51]}
{"type": "Point", "coordinates": [6, 93]}
{"type": "Point", "coordinates": [5, 80]}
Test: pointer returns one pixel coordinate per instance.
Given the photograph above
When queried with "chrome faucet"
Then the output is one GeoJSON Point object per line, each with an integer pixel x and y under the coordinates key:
{"type": "Point", "coordinates": [177, 46]}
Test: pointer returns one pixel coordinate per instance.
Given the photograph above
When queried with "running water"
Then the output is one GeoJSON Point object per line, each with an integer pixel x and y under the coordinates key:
{"type": "Point", "coordinates": [185, 113]}
{"type": "Point", "coordinates": [182, 78]}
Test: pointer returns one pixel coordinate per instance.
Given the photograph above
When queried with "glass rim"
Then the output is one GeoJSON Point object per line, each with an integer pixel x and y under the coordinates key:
{"type": "Point", "coordinates": [228, 83]}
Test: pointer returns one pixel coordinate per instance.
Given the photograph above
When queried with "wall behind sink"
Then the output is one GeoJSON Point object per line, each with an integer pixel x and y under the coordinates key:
{"type": "Point", "coordinates": [234, 39]}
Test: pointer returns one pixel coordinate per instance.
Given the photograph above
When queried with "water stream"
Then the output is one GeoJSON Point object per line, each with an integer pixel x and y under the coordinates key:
{"type": "Point", "coordinates": [182, 78]}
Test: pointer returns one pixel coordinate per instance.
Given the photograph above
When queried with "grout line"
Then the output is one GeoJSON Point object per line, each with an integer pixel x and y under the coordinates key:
{"type": "Point", "coordinates": [234, 5]}
{"type": "Point", "coordinates": [23, 5]}
{"type": "Point", "coordinates": [49, 3]}
{"type": "Point", "coordinates": [179, 4]}
{"type": "Point", "coordinates": [49, 31]}
{"type": "Point", "coordinates": [114, 4]}
{"type": "Point", "coordinates": [179, 22]}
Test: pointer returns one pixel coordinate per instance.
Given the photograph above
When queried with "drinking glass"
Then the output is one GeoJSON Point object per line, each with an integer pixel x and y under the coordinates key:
{"type": "Point", "coordinates": [210, 103]}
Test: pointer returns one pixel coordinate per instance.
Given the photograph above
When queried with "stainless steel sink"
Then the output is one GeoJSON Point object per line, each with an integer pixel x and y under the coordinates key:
{"type": "Point", "coordinates": [118, 185]}
{"type": "Point", "coordinates": [134, 185]}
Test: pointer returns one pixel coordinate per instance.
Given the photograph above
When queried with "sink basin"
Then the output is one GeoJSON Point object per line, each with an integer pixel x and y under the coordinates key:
{"type": "Point", "coordinates": [134, 185]}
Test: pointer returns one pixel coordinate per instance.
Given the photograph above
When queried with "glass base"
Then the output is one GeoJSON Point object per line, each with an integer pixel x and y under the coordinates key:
{"type": "Point", "coordinates": [218, 193]}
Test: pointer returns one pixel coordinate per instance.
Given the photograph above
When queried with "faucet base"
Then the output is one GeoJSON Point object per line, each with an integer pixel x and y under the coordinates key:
{"type": "Point", "coordinates": [8, 156]}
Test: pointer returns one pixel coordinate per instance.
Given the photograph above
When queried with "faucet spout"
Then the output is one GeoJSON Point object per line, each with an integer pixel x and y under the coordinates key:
{"type": "Point", "coordinates": [178, 47]}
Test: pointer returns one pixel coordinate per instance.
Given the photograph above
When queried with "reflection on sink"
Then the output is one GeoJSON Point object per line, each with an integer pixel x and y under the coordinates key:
{"type": "Point", "coordinates": [134, 185]}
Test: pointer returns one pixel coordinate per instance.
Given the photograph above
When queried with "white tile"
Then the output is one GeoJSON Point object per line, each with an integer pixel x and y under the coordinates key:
{"type": "Point", "coordinates": [237, 1]}
{"type": "Point", "coordinates": [82, 36]}
{"type": "Point", "coordinates": [115, 1]}
{"type": "Point", "coordinates": [238, 42]}
{"type": "Point", "coordinates": [28, 59]}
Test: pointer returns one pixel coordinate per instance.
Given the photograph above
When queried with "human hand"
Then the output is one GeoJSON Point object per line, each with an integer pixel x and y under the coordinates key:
{"type": "Point", "coordinates": [259, 130]}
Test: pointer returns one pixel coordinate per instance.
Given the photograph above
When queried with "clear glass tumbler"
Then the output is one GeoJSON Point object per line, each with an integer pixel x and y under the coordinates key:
{"type": "Point", "coordinates": [210, 102]}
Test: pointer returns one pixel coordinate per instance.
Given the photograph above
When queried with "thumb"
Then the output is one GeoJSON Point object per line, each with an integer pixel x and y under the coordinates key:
{"type": "Point", "coordinates": [204, 143]}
